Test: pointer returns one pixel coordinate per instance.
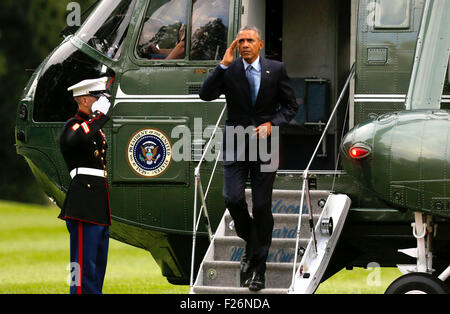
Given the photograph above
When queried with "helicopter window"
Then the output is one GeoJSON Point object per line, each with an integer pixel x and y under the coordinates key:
{"type": "Point", "coordinates": [66, 67]}
{"type": "Point", "coordinates": [106, 28]}
{"type": "Point", "coordinates": [448, 71]}
{"type": "Point", "coordinates": [209, 29]}
{"type": "Point", "coordinates": [392, 14]}
{"type": "Point", "coordinates": [163, 34]}
{"type": "Point", "coordinates": [447, 81]}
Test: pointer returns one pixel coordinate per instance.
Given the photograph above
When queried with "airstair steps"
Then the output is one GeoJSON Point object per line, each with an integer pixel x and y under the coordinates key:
{"type": "Point", "coordinates": [288, 201]}
{"type": "Point", "coordinates": [227, 274]}
{"type": "Point", "coordinates": [220, 269]}
{"type": "Point", "coordinates": [235, 290]}
{"type": "Point", "coordinates": [231, 248]}
{"type": "Point", "coordinates": [285, 225]}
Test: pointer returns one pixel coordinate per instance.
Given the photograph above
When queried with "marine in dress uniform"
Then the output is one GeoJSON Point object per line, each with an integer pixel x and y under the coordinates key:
{"type": "Point", "coordinates": [86, 208]}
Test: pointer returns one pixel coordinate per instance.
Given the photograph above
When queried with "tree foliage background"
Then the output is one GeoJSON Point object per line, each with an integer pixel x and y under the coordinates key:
{"type": "Point", "coordinates": [29, 31]}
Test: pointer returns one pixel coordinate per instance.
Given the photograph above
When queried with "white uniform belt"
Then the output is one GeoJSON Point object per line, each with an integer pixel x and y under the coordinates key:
{"type": "Point", "coordinates": [88, 171]}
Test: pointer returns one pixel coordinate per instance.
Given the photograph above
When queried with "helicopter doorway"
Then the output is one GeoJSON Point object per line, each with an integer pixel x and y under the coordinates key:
{"type": "Point", "coordinates": [312, 38]}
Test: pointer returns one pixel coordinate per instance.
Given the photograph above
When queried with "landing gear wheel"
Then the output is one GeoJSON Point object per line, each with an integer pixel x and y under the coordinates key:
{"type": "Point", "coordinates": [418, 283]}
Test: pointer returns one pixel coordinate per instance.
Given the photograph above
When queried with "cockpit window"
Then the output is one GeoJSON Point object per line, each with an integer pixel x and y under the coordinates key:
{"type": "Point", "coordinates": [106, 28]}
{"type": "Point", "coordinates": [392, 14]}
{"type": "Point", "coordinates": [67, 66]}
{"type": "Point", "coordinates": [209, 29]}
{"type": "Point", "coordinates": [447, 81]}
{"type": "Point", "coordinates": [163, 34]}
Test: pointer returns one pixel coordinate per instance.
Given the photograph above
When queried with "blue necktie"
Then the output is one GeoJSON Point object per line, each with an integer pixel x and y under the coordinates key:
{"type": "Point", "coordinates": [251, 81]}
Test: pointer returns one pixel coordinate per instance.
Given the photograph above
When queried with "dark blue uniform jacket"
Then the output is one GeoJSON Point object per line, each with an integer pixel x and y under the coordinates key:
{"type": "Point", "coordinates": [83, 144]}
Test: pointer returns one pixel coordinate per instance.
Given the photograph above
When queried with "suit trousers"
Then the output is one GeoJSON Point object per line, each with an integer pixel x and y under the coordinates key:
{"type": "Point", "coordinates": [88, 256]}
{"type": "Point", "coordinates": [256, 230]}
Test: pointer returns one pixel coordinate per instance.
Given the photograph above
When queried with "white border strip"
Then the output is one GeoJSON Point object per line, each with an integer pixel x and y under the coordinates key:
{"type": "Point", "coordinates": [123, 100]}
{"type": "Point", "coordinates": [380, 96]}
{"type": "Point", "coordinates": [162, 97]}
{"type": "Point", "coordinates": [379, 100]}
{"type": "Point", "coordinates": [120, 95]}
{"type": "Point", "coordinates": [392, 98]}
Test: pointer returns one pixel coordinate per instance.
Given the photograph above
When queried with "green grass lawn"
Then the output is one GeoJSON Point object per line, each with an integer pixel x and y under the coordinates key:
{"type": "Point", "coordinates": [34, 256]}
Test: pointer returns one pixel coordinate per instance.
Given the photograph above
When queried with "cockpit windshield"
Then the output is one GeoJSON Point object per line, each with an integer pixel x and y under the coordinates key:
{"type": "Point", "coordinates": [106, 28]}
{"type": "Point", "coordinates": [164, 31]}
{"type": "Point", "coordinates": [163, 34]}
{"type": "Point", "coordinates": [447, 81]}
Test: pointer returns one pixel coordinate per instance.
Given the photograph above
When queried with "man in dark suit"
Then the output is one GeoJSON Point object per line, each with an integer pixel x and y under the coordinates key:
{"type": "Point", "coordinates": [86, 208]}
{"type": "Point", "coordinates": [259, 98]}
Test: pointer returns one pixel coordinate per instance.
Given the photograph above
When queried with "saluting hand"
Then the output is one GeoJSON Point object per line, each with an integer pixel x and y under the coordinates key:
{"type": "Point", "coordinates": [229, 54]}
{"type": "Point", "coordinates": [102, 105]}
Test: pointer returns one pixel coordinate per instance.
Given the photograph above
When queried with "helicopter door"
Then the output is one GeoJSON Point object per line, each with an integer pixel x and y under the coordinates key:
{"type": "Point", "coordinates": [312, 38]}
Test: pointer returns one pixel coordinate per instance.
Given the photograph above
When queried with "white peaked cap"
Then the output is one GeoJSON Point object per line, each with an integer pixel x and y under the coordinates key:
{"type": "Point", "coordinates": [87, 86]}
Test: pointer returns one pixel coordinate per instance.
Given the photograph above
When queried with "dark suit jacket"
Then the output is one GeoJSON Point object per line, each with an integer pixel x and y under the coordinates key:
{"type": "Point", "coordinates": [83, 145]}
{"type": "Point", "coordinates": [275, 102]}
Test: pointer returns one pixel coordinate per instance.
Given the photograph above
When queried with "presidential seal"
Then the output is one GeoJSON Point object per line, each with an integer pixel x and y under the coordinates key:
{"type": "Point", "coordinates": [149, 152]}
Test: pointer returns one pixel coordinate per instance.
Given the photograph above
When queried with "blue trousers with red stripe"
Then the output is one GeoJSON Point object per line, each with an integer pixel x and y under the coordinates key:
{"type": "Point", "coordinates": [88, 256]}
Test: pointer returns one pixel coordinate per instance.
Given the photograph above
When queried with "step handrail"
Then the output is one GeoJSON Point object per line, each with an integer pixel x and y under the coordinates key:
{"type": "Point", "coordinates": [305, 186]}
{"type": "Point", "coordinates": [198, 188]}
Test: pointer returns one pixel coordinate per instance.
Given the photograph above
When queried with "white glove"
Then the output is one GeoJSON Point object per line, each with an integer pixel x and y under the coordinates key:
{"type": "Point", "coordinates": [102, 105]}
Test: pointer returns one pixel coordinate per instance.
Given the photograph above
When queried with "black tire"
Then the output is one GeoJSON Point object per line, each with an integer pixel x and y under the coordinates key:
{"type": "Point", "coordinates": [418, 283]}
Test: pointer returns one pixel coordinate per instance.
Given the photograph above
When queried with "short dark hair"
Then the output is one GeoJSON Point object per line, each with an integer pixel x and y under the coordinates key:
{"type": "Point", "coordinates": [252, 28]}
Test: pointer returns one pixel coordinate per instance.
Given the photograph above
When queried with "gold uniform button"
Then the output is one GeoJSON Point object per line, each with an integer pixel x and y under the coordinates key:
{"type": "Point", "coordinates": [96, 153]}
{"type": "Point", "coordinates": [88, 185]}
{"type": "Point", "coordinates": [106, 174]}
{"type": "Point", "coordinates": [103, 151]}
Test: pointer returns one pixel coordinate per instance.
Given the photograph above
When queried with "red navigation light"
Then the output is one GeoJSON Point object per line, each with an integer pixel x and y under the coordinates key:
{"type": "Point", "coordinates": [357, 152]}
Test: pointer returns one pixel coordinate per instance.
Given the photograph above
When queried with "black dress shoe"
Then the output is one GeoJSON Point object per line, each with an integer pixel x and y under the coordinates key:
{"type": "Point", "coordinates": [245, 281]}
{"type": "Point", "coordinates": [257, 282]}
{"type": "Point", "coordinates": [246, 273]}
